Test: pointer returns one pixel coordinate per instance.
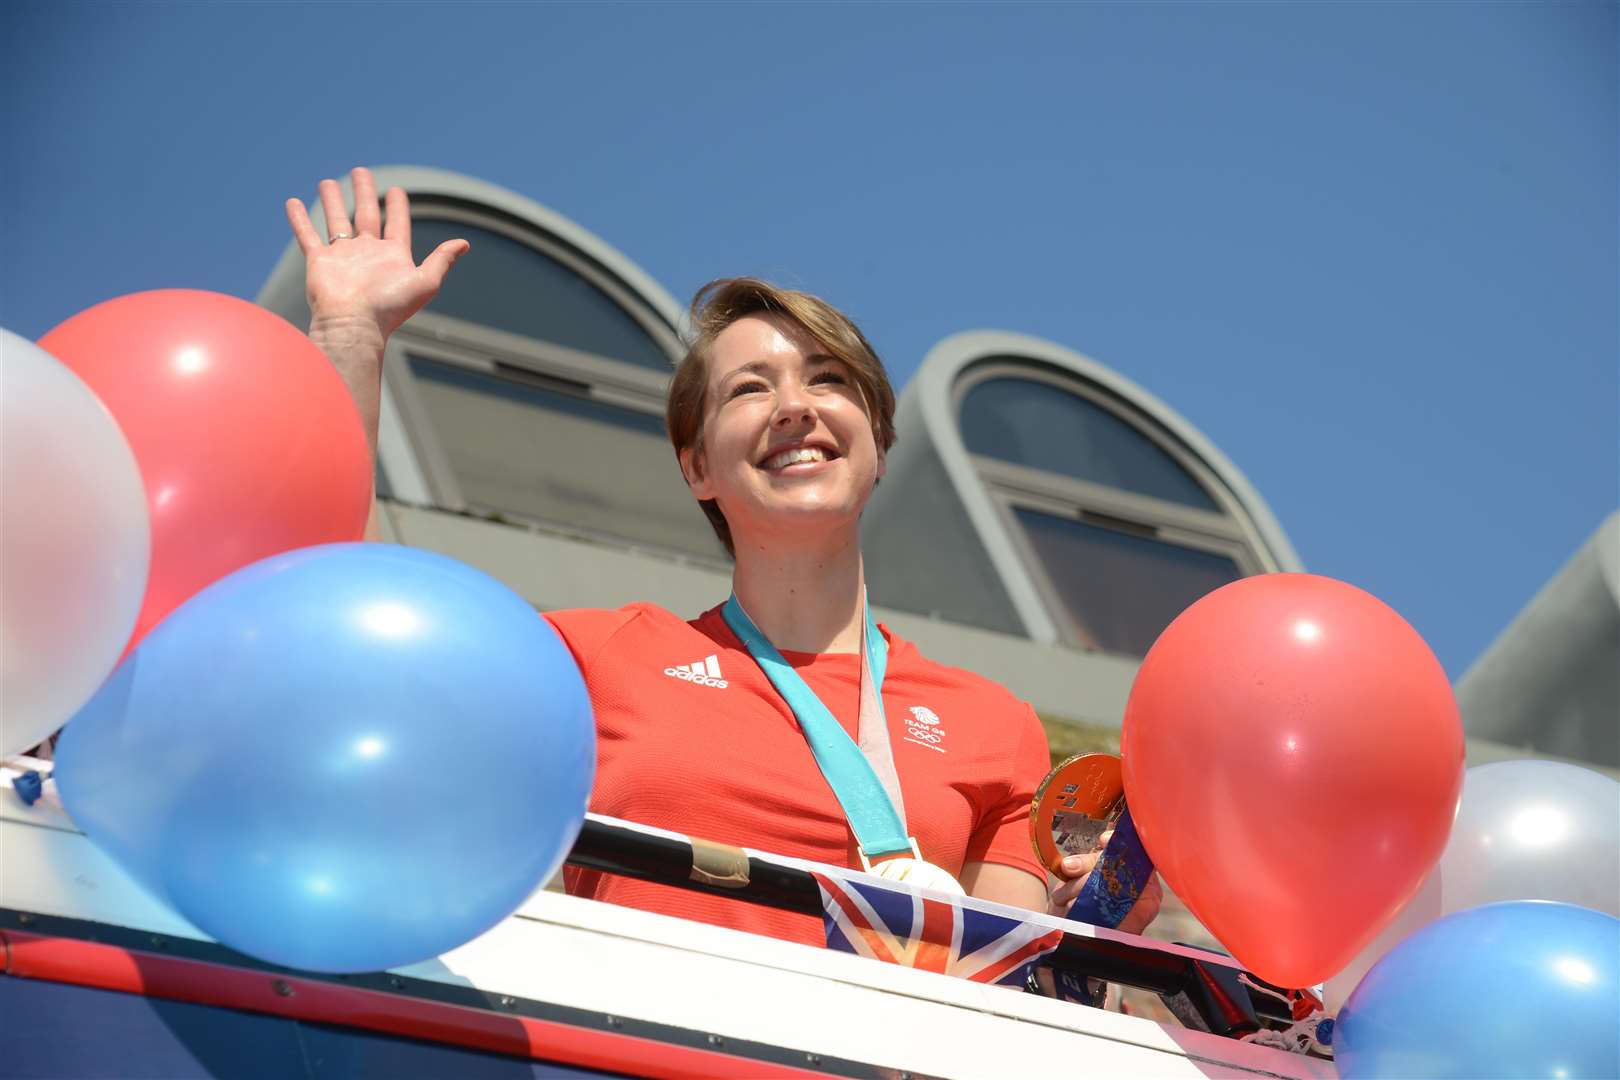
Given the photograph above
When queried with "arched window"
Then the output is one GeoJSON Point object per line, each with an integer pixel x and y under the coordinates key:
{"type": "Point", "coordinates": [518, 287]}
{"type": "Point", "coordinates": [532, 389]}
{"type": "Point", "coordinates": [1044, 426]}
{"type": "Point", "coordinates": [1120, 525]}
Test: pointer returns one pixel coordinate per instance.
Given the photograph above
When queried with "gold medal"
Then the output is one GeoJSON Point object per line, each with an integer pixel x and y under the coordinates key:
{"type": "Point", "coordinates": [1076, 803]}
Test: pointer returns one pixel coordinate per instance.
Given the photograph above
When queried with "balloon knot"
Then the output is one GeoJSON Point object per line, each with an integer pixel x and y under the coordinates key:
{"type": "Point", "coordinates": [1312, 1035]}
{"type": "Point", "coordinates": [29, 786]}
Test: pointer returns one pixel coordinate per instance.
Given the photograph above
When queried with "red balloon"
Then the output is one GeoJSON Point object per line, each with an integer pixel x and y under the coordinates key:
{"type": "Point", "coordinates": [247, 440]}
{"type": "Point", "coordinates": [1293, 760]}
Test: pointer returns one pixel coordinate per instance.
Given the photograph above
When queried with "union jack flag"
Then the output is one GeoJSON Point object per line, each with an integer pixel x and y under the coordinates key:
{"type": "Point", "coordinates": [899, 926]}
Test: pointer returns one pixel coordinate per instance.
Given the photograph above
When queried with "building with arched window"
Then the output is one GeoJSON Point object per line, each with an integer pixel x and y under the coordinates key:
{"type": "Point", "coordinates": [532, 388]}
{"type": "Point", "coordinates": [1042, 520]}
{"type": "Point", "coordinates": [1091, 512]}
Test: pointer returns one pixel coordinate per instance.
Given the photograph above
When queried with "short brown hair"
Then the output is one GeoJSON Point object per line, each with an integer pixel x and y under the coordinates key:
{"type": "Point", "coordinates": [726, 300]}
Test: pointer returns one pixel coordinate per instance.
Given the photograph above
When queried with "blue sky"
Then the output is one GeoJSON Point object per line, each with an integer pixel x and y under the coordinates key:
{"type": "Point", "coordinates": [1368, 249]}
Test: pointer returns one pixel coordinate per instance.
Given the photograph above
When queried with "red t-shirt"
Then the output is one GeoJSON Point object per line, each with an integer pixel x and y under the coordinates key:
{"type": "Point", "coordinates": [729, 763]}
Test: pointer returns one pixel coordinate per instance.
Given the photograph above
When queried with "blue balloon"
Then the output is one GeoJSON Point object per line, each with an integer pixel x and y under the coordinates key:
{"type": "Point", "coordinates": [344, 758]}
{"type": "Point", "coordinates": [1522, 989]}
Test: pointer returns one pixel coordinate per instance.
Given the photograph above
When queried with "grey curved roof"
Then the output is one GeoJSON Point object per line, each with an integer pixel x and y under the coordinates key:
{"type": "Point", "coordinates": [933, 519]}
{"type": "Point", "coordinates": [1551, 680]}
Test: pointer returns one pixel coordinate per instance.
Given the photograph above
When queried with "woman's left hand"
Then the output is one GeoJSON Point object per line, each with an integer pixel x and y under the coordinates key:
{"type": "Point", "coordinates": [1073, 874]}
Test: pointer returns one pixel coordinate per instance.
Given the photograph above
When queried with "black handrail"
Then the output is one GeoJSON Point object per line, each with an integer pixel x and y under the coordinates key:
{"type": "Point", "coordinates": [1204, 996]}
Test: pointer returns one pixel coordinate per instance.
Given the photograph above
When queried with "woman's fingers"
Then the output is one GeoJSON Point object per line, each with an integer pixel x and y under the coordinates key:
{"type": "Point", "coordinates": [397, 225]}
{"type": "Point", "coordinates": [1073, 870]}
{"type": "Point", "coordinates": [1063, 897]}
{"type": "Point", "coordinates": [439, 261]}
{"type": "Point", "coordinates": [371, 275]}
{"type": "Point", "coordinates": [367, 216]}
{"type": "Point", "coordinates": [337, 218]}
{"type": "Point", "coordinates": [308, 239]}
{"type": "Point", "coordinates": [1078, 866]}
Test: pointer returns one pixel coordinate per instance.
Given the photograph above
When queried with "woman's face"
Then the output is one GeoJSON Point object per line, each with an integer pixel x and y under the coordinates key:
{"type": "Point", "coordinates": [786, 442]}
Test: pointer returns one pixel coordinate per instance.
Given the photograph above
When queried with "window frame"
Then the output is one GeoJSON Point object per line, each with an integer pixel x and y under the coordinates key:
{"type": "Point", "coordinates": [1012, 486]}
{"type": "Point", "coordinates": [485, 350]}
{"type": "Point", "coordinates": [418, 453]}
{"type": "Point", "coordinates": [440, 208]}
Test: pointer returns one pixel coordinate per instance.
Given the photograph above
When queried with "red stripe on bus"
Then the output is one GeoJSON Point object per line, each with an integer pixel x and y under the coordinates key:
{"type": "Point", "coordinates": [107, 967]}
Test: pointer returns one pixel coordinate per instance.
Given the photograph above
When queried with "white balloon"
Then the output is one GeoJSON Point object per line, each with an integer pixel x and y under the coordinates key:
{"type": "Point", "coordinates": [1525, 830]}
{"type": "Point", "coordinates": [74, 543]}
{"type": "Point", "coordinates": [1534, 830]}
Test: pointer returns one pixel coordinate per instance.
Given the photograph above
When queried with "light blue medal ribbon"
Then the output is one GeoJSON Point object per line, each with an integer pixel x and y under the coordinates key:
{"type": "Point", "coordinates": [873, 816]}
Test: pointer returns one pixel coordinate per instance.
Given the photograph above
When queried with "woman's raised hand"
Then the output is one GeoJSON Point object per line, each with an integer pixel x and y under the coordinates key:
{"type": "Point", "coordinates": [362, 273]}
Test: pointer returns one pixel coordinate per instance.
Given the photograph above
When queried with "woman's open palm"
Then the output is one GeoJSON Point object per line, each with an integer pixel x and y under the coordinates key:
{"type": "Point", "coordinates": [365, 270]}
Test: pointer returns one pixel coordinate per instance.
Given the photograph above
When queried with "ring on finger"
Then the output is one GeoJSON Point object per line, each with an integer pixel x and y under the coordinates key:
{"type": "Point", "coordinates": [335, 237]}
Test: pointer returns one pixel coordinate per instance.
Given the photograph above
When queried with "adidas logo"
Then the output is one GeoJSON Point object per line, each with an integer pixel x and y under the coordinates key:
{"type": "Point", "coordinates": [705, 672]}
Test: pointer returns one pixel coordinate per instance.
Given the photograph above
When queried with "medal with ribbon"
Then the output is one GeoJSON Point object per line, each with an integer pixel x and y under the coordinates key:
{"type": "Point", "coordinates": [862, 775]}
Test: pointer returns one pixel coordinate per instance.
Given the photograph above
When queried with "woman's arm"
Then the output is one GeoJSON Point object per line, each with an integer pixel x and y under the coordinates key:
{"type": "Point", "coordinates": [1016, 888]}
{"type": "Point", "coordinates": [1004, 885]}
{"type": "Point", "coordinates": [362, 284]}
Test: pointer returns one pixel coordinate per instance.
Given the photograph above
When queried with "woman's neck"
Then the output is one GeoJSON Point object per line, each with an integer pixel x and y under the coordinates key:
{"type": "Point", "coordinates": [803, 598]}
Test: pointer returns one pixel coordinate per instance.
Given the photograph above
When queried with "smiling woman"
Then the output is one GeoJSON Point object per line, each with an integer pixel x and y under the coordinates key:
{"type": "Point", "coordinates": [774, 720]}
{"type": "Point", "coordinates": [755, 344]}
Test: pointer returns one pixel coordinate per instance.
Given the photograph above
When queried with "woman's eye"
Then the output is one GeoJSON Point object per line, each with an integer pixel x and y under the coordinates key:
{"type": "Point", "coordinates": [750, 386]}
{"type": "Point", "coordinates": [828, 377]}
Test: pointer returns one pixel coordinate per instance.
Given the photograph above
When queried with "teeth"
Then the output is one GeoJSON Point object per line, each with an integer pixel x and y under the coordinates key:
{"type": "Point", "coordinates": [796, 457]}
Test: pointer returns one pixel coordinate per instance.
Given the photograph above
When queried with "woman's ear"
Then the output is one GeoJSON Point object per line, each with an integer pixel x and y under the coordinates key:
{"type": "Point", "coordinates": [691, 460]}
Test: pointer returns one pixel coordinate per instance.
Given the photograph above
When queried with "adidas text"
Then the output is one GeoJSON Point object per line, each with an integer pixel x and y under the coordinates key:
{"type": "Point", "coordinates": [705, 672]}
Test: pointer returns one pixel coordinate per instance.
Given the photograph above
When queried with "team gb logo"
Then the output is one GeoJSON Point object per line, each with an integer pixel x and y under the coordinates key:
{"type": "Point", "coordinates": [922, 728]}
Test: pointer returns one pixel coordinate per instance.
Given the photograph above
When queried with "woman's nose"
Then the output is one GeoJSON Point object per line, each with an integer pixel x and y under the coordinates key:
{"type": "Point", "coordinates": [792, 407]}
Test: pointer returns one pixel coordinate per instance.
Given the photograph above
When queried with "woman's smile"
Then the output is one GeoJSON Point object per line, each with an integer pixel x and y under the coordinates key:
{"type": "Point", "coordinates": [798, 459]}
